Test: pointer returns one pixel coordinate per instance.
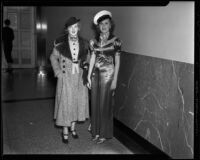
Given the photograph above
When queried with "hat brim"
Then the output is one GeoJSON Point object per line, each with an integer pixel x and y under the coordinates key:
{"type": "Point", "coordinates": [103, 18]}
{"type": "Point", "coordinates": [78, 20]}
{"type": "Point", "coordinates": [72, 23]}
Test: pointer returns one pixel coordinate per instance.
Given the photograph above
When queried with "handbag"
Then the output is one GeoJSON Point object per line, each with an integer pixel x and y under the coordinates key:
{"type": "Point", "coordinates": [85, 66]}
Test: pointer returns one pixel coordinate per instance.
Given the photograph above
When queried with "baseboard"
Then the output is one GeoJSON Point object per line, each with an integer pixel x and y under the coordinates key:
{"type": "Point", "coordinates": [134, 142]}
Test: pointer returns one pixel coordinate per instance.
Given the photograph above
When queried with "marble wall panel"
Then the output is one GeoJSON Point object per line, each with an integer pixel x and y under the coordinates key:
{"type": "Point", "coordinates": [155, 98]}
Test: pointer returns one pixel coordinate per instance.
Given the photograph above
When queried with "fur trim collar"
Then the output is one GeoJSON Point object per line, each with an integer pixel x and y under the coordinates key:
{"type": "Point", "coordinates": [62, 45]}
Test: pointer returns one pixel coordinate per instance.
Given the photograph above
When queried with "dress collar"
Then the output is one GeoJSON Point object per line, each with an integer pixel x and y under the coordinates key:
{"type": "Point", "coordinates": [64, 49]}
{"type": "Point", "coordinates": [73, 39]}
{"type": "Point", "coordinates": [104, 36]}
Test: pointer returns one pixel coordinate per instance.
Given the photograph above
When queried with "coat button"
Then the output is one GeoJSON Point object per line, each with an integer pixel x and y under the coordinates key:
{"type": "Point", "coordinates": [63, 66]}
{"type": "Point", "coordinates": [63, 71]}
{"type": "Point", "coordinates": [63, 61]}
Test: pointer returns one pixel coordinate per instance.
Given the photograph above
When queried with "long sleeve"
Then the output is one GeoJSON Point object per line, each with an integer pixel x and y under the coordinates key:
{"type": "Point", "coordinates": [54, 58]}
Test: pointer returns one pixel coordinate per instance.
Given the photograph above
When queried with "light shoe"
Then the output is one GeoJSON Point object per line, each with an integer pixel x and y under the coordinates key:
{"type": "Point", "coordinates": [101, 140]}
{"type": "Point", "coordinates": [96, 138]}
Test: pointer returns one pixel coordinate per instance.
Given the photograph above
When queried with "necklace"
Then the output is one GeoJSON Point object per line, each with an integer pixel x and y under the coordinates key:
{"type": "Point", "coordinates": [104, 38]}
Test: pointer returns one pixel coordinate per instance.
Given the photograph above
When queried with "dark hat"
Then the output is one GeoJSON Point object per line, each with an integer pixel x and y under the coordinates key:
{"type": "Point", "coordinates": [101, 16]}
{"type": "Point", "coordinates": [7, 22]}
{"type": "Point", "coordinates": [71, 21]}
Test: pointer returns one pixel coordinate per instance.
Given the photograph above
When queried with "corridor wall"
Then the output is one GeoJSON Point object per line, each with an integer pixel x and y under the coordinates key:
{"type": "Point", "coordinates": [157, 69]}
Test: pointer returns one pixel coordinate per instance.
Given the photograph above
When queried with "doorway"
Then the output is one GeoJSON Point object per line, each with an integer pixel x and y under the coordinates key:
{"type": "Point", "coordinates": [23, 23]}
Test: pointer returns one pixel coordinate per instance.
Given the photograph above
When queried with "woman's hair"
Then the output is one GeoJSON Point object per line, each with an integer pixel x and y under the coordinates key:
{"type": "Point", "coordinates": [97, 31]}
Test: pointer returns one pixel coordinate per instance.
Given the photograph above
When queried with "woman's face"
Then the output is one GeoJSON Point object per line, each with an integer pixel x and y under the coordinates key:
{"type": "Point", "coordinates": [73, 29]}
{"type": "Point", "coordinates": [105, 25]}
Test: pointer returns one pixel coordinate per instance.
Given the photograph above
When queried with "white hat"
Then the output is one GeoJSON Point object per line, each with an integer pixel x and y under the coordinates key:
{"type": "Point", "coordinates": [101, 16]}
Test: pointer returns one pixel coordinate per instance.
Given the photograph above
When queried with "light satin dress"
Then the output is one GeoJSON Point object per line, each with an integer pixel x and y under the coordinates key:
{"type": "Point", "coordinates": [101, 94]}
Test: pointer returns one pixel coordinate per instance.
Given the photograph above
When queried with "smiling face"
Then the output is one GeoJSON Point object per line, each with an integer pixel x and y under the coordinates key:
{"type": "Point", "coordinates": [73, 30]}
{"type": "Point", "coordinates": [105, 25]}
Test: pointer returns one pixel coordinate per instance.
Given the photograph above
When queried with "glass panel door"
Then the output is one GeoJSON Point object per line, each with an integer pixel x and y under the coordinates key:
{"type": "Point", "coordinates": [23, 24]}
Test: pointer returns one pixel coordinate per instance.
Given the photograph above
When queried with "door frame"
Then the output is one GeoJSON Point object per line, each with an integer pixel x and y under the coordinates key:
{"type": "Point", "coordinates": [18, 48]}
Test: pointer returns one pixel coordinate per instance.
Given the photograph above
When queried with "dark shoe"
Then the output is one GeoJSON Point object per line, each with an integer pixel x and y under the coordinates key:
{"type": "Point", "coordinates": [9, 70]}
{"type": "Point", "coordinates": [74, 134]}
{"type": "Point", "coordinates": [101, 140]}
{"type": "Point", "coordinates": [65, 140]}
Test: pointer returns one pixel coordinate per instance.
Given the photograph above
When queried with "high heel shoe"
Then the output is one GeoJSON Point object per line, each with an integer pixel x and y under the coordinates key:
{"type": "Point", "coordinates": [74, 134]}
{"type": "Point", "coordinates": [89, 128]}
{"type": "Point", "coordinates": [65, 140]}
{"type": "Point", "coordinates": [96, 138]}
{"type": "Point", "coordinates": [101, 140]}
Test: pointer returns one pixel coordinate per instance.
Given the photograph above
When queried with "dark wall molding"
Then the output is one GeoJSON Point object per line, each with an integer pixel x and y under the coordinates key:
{"type": "Point", "coordinates": [136, 143]}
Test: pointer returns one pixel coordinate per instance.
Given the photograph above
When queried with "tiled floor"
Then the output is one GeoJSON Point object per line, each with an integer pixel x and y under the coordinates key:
{"type": "Point", "coordinates": [28, 126]}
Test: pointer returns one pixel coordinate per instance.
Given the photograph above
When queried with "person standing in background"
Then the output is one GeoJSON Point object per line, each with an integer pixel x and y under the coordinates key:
{"type": "Point", "coordinates": [69, 59]}
{"type": "Point", "coordinates": [102, 76]}
{"type": "Point", "coordinates": [7, 39]}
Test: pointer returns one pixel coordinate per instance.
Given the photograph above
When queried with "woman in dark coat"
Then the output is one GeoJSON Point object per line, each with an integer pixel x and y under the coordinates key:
{"type": "Point", "coordinates": [102, 76]}
{"type": "Point", "coordinates": [71, 103]}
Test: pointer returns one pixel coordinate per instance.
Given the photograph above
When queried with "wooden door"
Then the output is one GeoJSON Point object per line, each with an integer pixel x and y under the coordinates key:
{"type": "Point", "coordinates": [23, 23]}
